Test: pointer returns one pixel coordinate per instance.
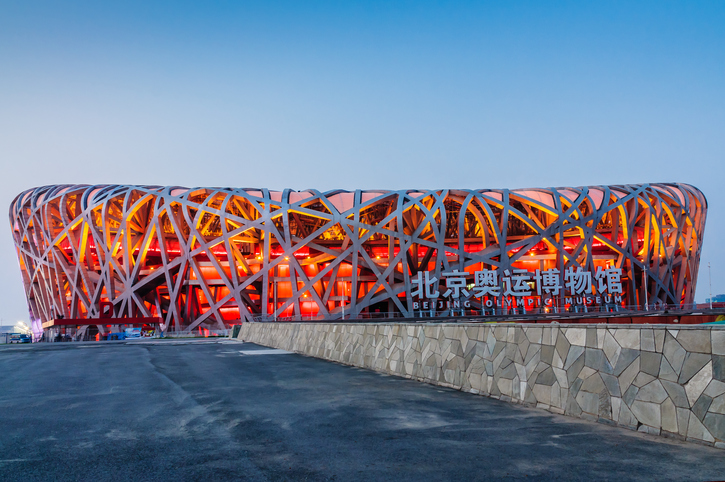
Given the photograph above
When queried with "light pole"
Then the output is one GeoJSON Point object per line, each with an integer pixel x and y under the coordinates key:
{"type": "Point", "coordinates": [275, 298]}
{"type": "Point", "coordinates": [646, 294]}
{"type": "Point", "coordinates": [709, 275]}
{"type": "Point", "coordinates": [343, 298]}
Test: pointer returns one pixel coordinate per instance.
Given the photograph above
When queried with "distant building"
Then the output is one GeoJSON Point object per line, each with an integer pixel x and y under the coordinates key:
{"type": "Point", "coordinates": [19, 327]}
{"type": "Point", "coordinates": [716, 299]}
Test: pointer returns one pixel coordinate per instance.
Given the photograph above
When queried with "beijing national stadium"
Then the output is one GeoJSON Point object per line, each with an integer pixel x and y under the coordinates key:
{"type": "Point", "coordinates": [203, 259]}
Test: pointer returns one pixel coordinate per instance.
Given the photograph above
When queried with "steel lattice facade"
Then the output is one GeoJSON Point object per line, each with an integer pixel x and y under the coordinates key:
{"type": "Point", "coordinates": [210, 257]}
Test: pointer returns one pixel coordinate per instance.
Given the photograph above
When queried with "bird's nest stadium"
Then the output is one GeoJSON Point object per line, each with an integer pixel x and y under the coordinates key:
{"type": "Point", "coordinates": [208, 258]}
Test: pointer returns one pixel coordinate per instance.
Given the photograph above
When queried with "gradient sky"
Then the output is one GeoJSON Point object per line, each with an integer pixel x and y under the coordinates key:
{"type": "Point", "coordinates": [387, 95]}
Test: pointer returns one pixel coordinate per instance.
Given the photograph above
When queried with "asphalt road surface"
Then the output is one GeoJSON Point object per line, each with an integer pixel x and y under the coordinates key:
{"type": "Point", "coordinates": [221, 410]}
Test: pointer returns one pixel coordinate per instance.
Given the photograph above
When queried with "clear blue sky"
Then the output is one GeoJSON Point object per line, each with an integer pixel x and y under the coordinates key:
{"type": "Point", "coordinates": [366, 94]}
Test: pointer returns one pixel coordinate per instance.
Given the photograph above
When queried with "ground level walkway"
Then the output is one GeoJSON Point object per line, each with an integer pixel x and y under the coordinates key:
{"type": "Point", "coordinates": [203, 410]}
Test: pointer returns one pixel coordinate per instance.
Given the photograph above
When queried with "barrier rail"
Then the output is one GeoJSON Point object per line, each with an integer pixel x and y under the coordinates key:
{"type": "Point", "coordinates": [665, 314]}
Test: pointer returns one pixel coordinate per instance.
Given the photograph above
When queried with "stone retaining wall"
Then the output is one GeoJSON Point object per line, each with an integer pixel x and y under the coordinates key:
{"type": "Point", "coordinates": [653, 378]}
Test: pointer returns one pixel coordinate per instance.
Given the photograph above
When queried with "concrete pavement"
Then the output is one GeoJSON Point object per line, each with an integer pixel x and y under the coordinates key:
{"type": "Point", "coordinates": [221, 410]}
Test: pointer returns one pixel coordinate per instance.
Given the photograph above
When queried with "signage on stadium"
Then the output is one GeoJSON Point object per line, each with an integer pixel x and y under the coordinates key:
{"type": "Point", "coordinates": [517, 288]}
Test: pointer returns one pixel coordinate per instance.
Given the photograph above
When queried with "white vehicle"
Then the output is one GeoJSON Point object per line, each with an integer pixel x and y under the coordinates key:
{"type": "Point", "coordinates": [133, 333]}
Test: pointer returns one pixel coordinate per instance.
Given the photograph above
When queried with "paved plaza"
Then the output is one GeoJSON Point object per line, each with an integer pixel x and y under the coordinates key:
{"type": "Point", "coordinates": [222, 410]}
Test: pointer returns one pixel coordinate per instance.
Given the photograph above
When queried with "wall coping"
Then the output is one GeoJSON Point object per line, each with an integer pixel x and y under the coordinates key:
{"type": "Point", "coordinates": [621, 326]}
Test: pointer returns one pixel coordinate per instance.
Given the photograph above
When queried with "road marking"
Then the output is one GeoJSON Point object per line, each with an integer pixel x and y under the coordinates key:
{"type": "Point", "coordinates": [570, 434]}
{"type": "Point", "coordinates": [272, 351]}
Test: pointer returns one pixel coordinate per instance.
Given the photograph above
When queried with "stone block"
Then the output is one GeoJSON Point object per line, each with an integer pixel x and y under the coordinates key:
{"type": "Point", "coordinates": [666, 371]}
{"type": "Point", "coordinates": [573, 371]}
{"type": "Point", "coordinates": [505, 386]}
{"type": "Point", "coordinates": [626, 417]}
{"type": "Point", "coordinates": [718, 367]}
{"type": "Point", "coordinates": [498, 348]}
{"type": "Point", "coordinates": [457, 348]}
{"type": "Point", "coordinates": [511, 334]}
{"type": "Point", "coordinates": [647, 339]}
{"type": "Point", "coordinates": [650, 363]}
{"type": "Point", "coordinates": [449, 332]}
{"type": "Point", "coordinates": [718, 405]}
{"type": "Point", "coordinates": [659, 339]}
{"type": "Point", "coordinates": [628, 375]}
{"type": "Point", "coordinates": [693, 364]}
{"type": "Point", "coordinates": [611, 348]}
{"type": "Point", "coordinates": [556, 400]}
{"type": "Point", "coordinates": [563, 396]}
{"type": "Point", "coordinates": [557, 362]}
{"type": "Point", "coordinates": [669, 416]}
{"type": "Point", "coordinates": [642, 379]}
{"type": "Point", "coordinates": [523, 348]}
{"type": "Point", "coordinates": [572, 408]}
{"type": "Point", "coordinates": [562, 347]}
{"type": "Point", "coordinates": [683, 417]}
{"type": "Point", "coordinates": [547, 354]}
{"type": "Point", "coordinates": [516, 392]}
{"type": "Point", "coordinates": [593, 384]}
{"type": "Point", "coordinates": [715, 388]}
{"type": "Point", "coordinates": [589, 402]}
{"type": "Point", "coordinates": [601, 332]}
{"type": "Point", "coordinates": [695, 340]}
{"type": "Point", "coordinates": [718, 341]}
{"type": "Point", "coordinates": [677, 393]}
{"type": "Point", "coordinates": [648, 429]}
{"type": "Point", "coordinates": [697, 431]}
{"type": "Point", "coordinates": [647, 413]}
{"type": "Point", "coordinates": [547, 377]}
{"type": "Point", "coordinates": [595, 359]}
{"type": "Point", "coordinates": [575, 386]}
{"type": "Point", "coordinates": [652, 392]}
{"type": "Point", "coordinates": [529, 397]}
{"type": "Point", "coordinates": [591, 338]}
{"type": "Point", "coordinates": [574, 353]}
{"type": "Point", "coordinates": [491, 342]}
{"type": "Point", "coordinates": [630, 394]}
{"type": "Point", "coordinates": [502, 361]}
{"type": "Point", "coordinates": [627, 338]}
{"type": "Point", "coordinates": [612, 384]}
{"type": "Point", "coordinates": [535, 334]}
{"type": "Point", "coordinates": [546, 336]}
{"type": "Point", "coordinates": [561, 377]}
{"type": "Point", "coordinates": [626, 356]}
{"type": "Point", "coordinates": [542, 393]}
{"type": "Point", "coordinates": [588, 416]}
{"type": "Point", "coordinates": [698, 383]}
{"type": "Point", "coordinates": [674, 353]}
{"type": "Point", "coordinates": [586, 373]}
{"type": "Point", "coordinates": [576, 336]}
{"type": "Point", "coordinates": [533, 358]}
{"type": "Point", "coordinates": [701, 406]}
{"type": "Point", "coordinates": [616, 404]}
{"type": "Point", "coordinates": [605, 406]}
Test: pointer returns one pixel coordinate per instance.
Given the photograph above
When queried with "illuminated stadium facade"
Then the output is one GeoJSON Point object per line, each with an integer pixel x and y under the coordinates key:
{"type": "Point", "coordinates": [208, 258]}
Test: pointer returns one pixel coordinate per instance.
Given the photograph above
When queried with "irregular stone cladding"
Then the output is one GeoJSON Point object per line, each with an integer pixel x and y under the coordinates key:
{"type": "Point", "coordinates": [658, 379]}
